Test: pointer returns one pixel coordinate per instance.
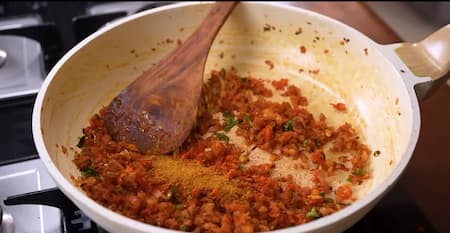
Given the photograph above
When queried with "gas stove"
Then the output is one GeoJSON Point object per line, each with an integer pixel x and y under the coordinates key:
{"type": "Point", "coordinates": [33, 36]}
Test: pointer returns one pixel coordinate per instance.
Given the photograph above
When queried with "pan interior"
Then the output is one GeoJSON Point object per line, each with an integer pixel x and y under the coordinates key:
{"type": "Point", "coordinates": [339, 65]}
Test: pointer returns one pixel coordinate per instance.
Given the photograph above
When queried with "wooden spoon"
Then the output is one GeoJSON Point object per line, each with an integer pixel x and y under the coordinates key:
{"type": "Point", "coordinates": [157, 111]}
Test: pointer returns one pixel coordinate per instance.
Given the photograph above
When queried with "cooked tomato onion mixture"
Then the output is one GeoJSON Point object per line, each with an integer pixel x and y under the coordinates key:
{"type": "Point", "coordinates": [210, 184]}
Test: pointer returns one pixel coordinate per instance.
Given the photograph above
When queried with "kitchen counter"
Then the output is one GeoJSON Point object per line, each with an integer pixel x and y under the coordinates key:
{"type": "Point", "coordinates": [425, 178]}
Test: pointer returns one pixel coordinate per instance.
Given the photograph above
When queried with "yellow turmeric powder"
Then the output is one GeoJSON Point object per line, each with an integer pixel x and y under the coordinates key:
{"type": "Point", "coordinates": [192, 175]}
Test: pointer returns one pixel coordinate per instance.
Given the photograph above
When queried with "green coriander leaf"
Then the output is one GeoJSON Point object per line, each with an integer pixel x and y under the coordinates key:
{"type": "Point", "coordinates": [88, 172]}
{"type": "Point", "coordinates": [223, 137]}
{"type": "Point", "coordinates": [184, 227]}
{"type": "Point", "coordinates": [343, 203]}
{"type": "Point", "coordinates": [173, 189]}
{"type": "Point", "coordinates": [230, 121]}
{"type": "Point", "coordinates": [289, 126]}
{"type": "Point", "coordinates": [317, 142]}
{"type": "Point", "coordinates": [359, 172]}
{"type": "Point", "coordinates": [306, 142]}
{"type": "Point", "coordinates": [172, 195]}
{"type": "Point", "coordinates": [217, 206]}
{"type": "Point", "coordinates": [118, 189]}
{"type": "Point", "coordinates": [248, 120]}
{"type": "Point", "coordinates": [313, 213]}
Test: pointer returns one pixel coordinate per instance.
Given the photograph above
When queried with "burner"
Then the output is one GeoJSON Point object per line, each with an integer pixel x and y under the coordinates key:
{"type": "Point", "coordinates": [22, 69]}
{"type": "Point", "coordinates": [73, 220]}
{"type": "Point", "coordinates": [24, 177]}
{"type": "Point", "coordinates": [6, 222]}
{"type": "Point", "coordinates": [32, 26]}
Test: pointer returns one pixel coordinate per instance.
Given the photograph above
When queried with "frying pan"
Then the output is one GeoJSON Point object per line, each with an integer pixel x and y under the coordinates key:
{"type": "Point", "coordinates": [378, 87]}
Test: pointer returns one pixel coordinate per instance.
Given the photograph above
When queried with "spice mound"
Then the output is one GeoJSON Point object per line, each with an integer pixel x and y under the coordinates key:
{"type": "Point", "coordinates": [256, 160]}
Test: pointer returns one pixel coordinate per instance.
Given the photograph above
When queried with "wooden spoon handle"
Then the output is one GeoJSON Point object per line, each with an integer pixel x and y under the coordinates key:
{"type": "Point", "coordinates": [197, 45]}
{"type": "Point", "coordinates": [209, 28]}
{"type": "Point", "coordinates": [193, 51]}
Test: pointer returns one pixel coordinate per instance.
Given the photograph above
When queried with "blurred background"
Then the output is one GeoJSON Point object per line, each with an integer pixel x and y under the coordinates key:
{"type": "Point", "coordinates": [413, 21]}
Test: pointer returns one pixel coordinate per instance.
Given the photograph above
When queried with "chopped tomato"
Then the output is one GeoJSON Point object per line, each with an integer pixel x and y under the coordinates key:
{"type": "Point", "coordinates": [267, 133]}
{"type": "Point", "coordinates": [215, 183]}
{"type": "Point", "coordinates": [302, 49]}
{"type": "Point", "coordinates": [280, 84]}
{"type": "Point", "coordinates": [340, 107]}
{"type": "Point", "coordinates": [344, 192]}
{"type": "Point", "coordinates": [318, 157]}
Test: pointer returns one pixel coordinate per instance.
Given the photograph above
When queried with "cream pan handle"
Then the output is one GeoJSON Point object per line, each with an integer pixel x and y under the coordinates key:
{"type": "Point", "coordinates": [428, 58]}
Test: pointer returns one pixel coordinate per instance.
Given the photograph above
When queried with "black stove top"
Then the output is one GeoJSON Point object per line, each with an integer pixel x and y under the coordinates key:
{"type": "Point", "coordinates": [16, 142]}
{"type": "Point", "coordinates": [60, 25]}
